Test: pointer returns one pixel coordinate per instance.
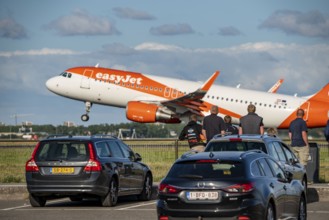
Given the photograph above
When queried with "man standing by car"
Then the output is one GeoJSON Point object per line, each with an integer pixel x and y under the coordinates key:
{"type": "Point", "coordinates": [251, 123]}
{"type": "Point", "coordinates": [192, 132]}
{"type": "Point", "coordinates": [298, 137]}
{"type": "Point", "coordinates": [213, 124]}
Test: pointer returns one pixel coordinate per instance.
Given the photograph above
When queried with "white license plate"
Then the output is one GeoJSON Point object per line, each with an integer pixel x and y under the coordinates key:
{"type": "Point", "coordinates": [202, 195]}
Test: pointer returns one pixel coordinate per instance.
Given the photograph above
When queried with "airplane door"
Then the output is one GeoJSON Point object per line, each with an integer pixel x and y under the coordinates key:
{"type": "Point", "coordinates": [85, 80]}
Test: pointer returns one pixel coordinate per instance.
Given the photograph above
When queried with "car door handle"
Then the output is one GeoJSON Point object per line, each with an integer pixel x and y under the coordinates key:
{"type": "Point", "coordinates": [285, 187]}
{"type": "Point", "coordinates": [272, 185]}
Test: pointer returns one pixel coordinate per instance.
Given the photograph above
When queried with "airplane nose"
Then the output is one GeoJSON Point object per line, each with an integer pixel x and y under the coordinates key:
{"type": "Point", "coordinates": [51, 84]}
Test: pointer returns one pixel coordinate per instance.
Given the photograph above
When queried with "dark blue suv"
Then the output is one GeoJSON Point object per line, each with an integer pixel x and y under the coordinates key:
{"type": "Point", "coordinates": [86, 166]}
{"type": "Point", "coordinates": [273, 146]}
{"type": "Point", "coordinates": [230, 185]}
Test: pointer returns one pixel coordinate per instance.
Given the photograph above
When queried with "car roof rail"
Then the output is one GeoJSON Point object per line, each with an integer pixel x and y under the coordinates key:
{"type": "Point", "coordinates": [58, 135]}
{"type": "Point", "coordinates": [103, 136]}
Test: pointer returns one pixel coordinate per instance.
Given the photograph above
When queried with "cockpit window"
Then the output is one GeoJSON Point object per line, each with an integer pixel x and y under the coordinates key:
{"type": "Point", "coordinates": [66, 74]}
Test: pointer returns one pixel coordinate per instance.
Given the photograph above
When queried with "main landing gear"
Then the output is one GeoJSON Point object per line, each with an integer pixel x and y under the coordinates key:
{"type": "Point", "coordinates": [85, 117]}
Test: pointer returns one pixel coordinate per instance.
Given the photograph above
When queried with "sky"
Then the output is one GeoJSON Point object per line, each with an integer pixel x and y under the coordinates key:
{"type": "Point", "coordinates": [253, 43]}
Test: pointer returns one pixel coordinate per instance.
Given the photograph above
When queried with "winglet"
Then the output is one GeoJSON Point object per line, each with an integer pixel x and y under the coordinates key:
{"type": "Point", "coordinates": [206, 86]}
{"type": "Point", "coordinates": [276, 86]}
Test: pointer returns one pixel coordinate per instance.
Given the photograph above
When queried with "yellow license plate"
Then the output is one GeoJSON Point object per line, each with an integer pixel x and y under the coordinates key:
{"type": "Point", "coordinates": [62, 170]}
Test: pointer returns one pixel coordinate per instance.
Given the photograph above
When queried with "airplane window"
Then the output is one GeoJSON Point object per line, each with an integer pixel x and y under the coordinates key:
{"type": "Point", "coordinates": [231, 100]}
{"type": "Point", "coordinates": [260, 104]}
{"type": "Point", "coordinates": [265, 105]}
{"type": "Point", "coordinates": [142, 87]}
{"type": "Point", "coordinates": [69, 75]}
{"type": "Point", "coordinates": [132, 85]}
{"type": "Point", "coordinates": [226, 99]}
{"type": "Point", "coordinates": [270, 106]}
{"type": "Point", "coordinates": [246, 102]}
{"type": "Point", "coordinates": [155, 88]}
{"type": "Point", "coordinates": [151, 88]}
{"type": "Point", "coordinates": [236, 100]}
{"type": "Point", "coordinates": [160, 90]}
{"type": "Point", "coordinates": [128, 84]}
{"type": "Point", "coordinates": [274, 106]}
{"type": "Point", "coordinates": [65, 74]}
{"type": "Point", "coordinates": [213, 97]}
{"type": "Point", "coordinates": [137, 86]}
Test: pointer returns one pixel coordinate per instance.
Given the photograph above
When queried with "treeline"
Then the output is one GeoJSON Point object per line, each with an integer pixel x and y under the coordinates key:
{"type": "Point", "coordinates": [154, 130]}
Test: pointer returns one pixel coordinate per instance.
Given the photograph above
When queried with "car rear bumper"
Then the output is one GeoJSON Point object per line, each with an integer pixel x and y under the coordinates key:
{"type": "Point", "coordinates": [94, 185]}
{"type": "Point", "coordinates": [253, 212]}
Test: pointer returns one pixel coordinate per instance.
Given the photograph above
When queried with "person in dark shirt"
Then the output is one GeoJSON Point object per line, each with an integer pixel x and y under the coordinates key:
{"type": "Point", "coordinates": [251, 123]}
{"type": "Point", "coordinates": [298, 137]}
{"type": "Point", "coordinates": [213, 124]}
{"type": "Point", "coordinates": [192, 132]}
{"type": "Point", "coordinates": [230, 129]}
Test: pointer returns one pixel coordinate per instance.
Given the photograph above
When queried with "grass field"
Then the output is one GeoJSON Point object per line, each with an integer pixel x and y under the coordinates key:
{"type": "Point", "coordinates": [159, 155]}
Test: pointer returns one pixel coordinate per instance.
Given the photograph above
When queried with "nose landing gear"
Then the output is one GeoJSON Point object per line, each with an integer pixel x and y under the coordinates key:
{"type": "Point", "coordinates": [85, 117]}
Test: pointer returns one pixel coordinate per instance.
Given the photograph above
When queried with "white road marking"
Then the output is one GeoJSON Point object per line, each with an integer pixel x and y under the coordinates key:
{"type": "Point", "coordinates": [134, 206]}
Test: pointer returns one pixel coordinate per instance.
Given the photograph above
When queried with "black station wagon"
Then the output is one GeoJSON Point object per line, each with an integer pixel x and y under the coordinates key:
{"type": "Point", "coordinates": [81, 167]}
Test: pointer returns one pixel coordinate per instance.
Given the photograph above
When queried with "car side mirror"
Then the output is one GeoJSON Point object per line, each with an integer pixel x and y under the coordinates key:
{"type": "Point", "coordinates": [138, 157]}
{"type": "Point", "coordinates": [289, 176]}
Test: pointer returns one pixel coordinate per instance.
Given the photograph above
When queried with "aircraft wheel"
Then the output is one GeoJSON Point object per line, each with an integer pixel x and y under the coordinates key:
{"type": "Point", "coordinates": [85, 117]}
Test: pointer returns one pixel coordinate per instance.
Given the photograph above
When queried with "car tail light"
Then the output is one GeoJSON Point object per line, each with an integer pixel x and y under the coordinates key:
{"type": "Point", "coordinates": [93, 164]}
{"type": "Point", "coordinates": [30, 165]}
{"type": "Point", "coordinates": [163, 217]}
{"type": "Point", "coordinates": [165, 188]}
{"type": "Point", "coordinates": [235, 139]}
{"type": "Point", "coordinates": [240, 188]}
{"type": "Point", "coordinates": [243, 217]}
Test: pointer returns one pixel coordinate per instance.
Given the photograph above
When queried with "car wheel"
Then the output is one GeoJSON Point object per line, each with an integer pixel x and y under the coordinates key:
{"type": "Point", "coordinates": [37, 201]}
{"type": "Point", "coordinates": [147, 189]}
{"type": "Point", "coordinates": [270, 215]}
{"type": "Point", "coordinates": [111, 197]}
{"type": "Point", "coordinates": [302, 213]}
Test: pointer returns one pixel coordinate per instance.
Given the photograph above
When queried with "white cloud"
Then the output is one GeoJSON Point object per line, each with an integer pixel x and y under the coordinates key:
{"type": "Point", "coordinates": [43, 51]}
{"type": "Point", "coordinates": [82, 23]}
{"type": "Point", "coordinates": [130, 13]}
{"type": "Point", "coordinates": [172, 29]}
{"type": "Point", "coordinates": [9, 28]}
{"type": "Point", "coordinates": [309, 24]}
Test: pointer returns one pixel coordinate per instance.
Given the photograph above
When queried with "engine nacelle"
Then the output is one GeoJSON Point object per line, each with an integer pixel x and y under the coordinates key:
{"type": "Point", "coordinates": [149, 113]}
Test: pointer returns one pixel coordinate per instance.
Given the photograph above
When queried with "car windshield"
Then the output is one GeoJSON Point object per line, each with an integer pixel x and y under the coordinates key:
{"type": "Point", "coordinates": [207, 169]}
{"type": "Point", "coordinates": [62, 150]}
{"type": "Point", "coordinates": [235, 146]}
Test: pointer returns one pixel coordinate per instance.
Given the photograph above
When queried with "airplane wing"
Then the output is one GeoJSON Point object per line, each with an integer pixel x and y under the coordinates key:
{"type": "Point", "coordinates": [192, 101]}
{"type": "Point", "coordinates": [276, 86]}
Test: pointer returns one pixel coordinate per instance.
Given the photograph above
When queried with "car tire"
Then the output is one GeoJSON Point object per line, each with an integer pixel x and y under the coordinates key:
{"type": "Point", "coordinates": [302, 213]}
{"type": "Point", "coordinates": [111, 197]}
{"type": "Point", "coordinates": [147, 189]}
{"type": "Point", "coordinates": [270, 214]}
{"type": "Point", "coordinates": [37, 201]}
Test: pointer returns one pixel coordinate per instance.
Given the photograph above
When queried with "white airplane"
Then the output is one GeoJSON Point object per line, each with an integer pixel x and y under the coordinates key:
{"type": "Point", "coordinates": [150, 99]}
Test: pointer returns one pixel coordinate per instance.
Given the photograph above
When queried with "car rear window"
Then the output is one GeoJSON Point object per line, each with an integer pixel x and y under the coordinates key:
{"type": "Point", "coordinates": [235, 146]}
{"type": "Point", "coordinates": [206, 170]}
{"type": "Point", "coordinates": [62, 150]}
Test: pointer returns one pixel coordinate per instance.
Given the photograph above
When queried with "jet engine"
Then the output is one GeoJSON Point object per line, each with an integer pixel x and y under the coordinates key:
{"type": "Point", "coordinates": [149, 113]}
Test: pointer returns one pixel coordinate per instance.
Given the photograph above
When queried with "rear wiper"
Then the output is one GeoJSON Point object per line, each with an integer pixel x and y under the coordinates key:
{"type": "Point", "coordinates": [190, 176]}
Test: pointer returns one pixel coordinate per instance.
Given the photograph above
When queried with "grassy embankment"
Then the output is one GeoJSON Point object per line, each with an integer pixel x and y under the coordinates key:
{"type": "Point", "coordinates": [159, 158]}
{"type": "Point", "coordinates": [158, 155]}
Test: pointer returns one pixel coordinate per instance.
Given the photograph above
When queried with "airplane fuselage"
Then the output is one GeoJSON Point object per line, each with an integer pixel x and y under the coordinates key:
{"type": "Point", "coordinates": [118, 88]}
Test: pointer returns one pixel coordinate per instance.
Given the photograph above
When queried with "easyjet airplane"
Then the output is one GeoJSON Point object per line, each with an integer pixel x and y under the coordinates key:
{"type": "Point", "coordinates": [150, 99]}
